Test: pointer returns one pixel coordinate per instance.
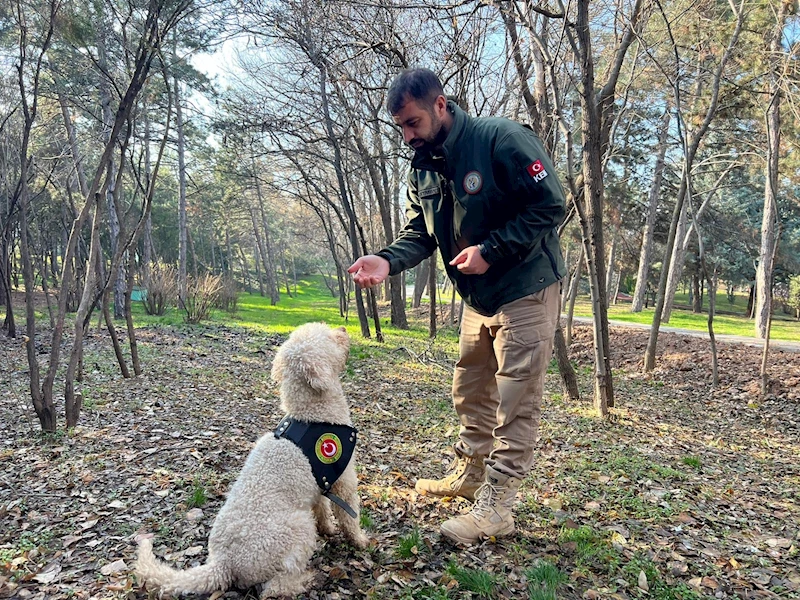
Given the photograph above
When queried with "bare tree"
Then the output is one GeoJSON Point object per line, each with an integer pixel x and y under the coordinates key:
{"type": "Point", "coordinates": [770, 218]}
{"type": "Point", "coordinates": [31, 58]}
{"type": "Point", "coordinates": [690, 141]}
{"type": "Point", "coordinates": [650, 219]}
{"type": "Point", "coordinates": [158, 19]}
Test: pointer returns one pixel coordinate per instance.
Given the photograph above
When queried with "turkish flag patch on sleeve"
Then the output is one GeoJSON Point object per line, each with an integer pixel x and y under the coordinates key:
{"type": "Point", "coordinates": [536, 170]}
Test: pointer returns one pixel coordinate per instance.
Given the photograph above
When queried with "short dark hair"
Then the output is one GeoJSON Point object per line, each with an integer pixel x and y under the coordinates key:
{"type": "Point", "coordinates": [421, 85]}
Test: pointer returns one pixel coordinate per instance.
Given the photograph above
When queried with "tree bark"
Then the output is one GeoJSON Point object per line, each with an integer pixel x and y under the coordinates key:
{"type": "Point", "coordinates": [645, 253]}
{"type": "Point", "coordinates": [568, 379]}
{"type": "Point", "coordinates": [420, 283]}
{"type": "Point", "coordinates": [112, 194]}
{"type": "Point", "coordinates": [690, 147]}
{"type": "Point", "coordinates": [592, 214]}
{"type": "Point", "coordinates": [42, 403]}
{"type": "Point", "coordinates": [432, 294]}
{"type": "Point", "coordinates": [348, 209]}
{"type": "Point", "coordinates": [182, 218]}
{"type": "Point", "coordinates": [769, 221]}
{"type": "Point", "coordinates": [265, 244]}
{"type": "Point", "coordinates": [573, 293]}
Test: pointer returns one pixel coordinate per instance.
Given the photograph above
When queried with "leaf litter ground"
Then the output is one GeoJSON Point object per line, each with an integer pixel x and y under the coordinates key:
{"type": "Point", "coordinates": [685, 492]}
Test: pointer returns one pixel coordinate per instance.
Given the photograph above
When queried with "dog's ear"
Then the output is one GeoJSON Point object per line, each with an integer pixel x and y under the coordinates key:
{"type": "Point", "coordinates": [319, 375]}
{"type": "Point", "coordinates": [277, 367]}
{"type": "Point", "coordinates": [306, 365]}
{"type": "Point", "coordinates": [340, 336]}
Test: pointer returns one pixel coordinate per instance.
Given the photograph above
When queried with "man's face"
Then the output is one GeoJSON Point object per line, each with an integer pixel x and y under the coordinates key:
{"type": "Point", "coordinates": [422, 126]}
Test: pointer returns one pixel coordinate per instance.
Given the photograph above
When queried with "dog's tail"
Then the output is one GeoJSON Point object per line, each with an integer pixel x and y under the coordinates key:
{"type": "Point", "coordinates": [204, 579]}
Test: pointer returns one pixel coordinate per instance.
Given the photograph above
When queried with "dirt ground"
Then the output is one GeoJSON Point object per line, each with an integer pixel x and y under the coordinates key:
{"type": "Point", "coordinates": [694, 488]}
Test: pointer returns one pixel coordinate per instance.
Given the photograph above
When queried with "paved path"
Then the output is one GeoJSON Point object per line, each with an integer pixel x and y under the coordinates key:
{"type": "Point", "coordinates": [722, 338]}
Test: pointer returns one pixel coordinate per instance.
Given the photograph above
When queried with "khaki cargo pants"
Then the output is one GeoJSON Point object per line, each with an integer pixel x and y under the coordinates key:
{"type": "Point", "coordinates": [499, 379]}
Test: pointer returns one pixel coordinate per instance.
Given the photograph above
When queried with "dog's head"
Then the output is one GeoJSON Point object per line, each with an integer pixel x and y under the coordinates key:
{"type": "Point", "coordinates": [313, 356]}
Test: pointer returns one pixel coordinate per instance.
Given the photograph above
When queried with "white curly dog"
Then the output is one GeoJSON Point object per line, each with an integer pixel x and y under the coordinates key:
{"type": "Point", "coordinates": [266, 531]}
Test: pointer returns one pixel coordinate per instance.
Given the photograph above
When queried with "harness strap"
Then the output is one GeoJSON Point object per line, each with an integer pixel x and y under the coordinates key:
{"type": "Point", "coordinates": [328, 449]}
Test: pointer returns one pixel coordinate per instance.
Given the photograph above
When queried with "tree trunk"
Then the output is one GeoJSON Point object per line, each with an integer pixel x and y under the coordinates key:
{"type": "Point", "coordinates": [568, 379]}
{"type": "Point", "coordinates": [690, 147]}
{"type": "Point", "coordinates": [432, 294]}
{"type": "Point", "coordinates": [420, 282]}
{"type": "Point", "coordinates": [697, 299]}
{"type": "Point", "coordinates": [73, 401]}
{"type": "Point", "coordinates": [266, 246]}
{"type": "Point", "coordinates": [147, 240]}
{"type": "Point", "coordinates": [712, 307]}
{"type": "Point", "coordinates": [137, 365]}
{"type": "Point", "coordinates": [610, 271]}
{"type": "Point", "coordinates": [337, 163]}
{"type": "Point", "coordinates": [676, 264]}
{"type": "Point", "coordinates": [650, 220]}
{"type": "Point", "coordinates": [592, 215]}
{"type": "Point", "coordinates": [182, 218]}
{"type": "Point", "coordinates": [112, 194]}
{"type": "Point", "coordinates": [769, 219]}
{"type": "Point", "coordinates": [42, 403]}
{"type": "Point", "coordinates": [123, 366]}
{"type": "Point", "coordinates": [9, 324]}
{"type": "Point", "coordinates": [573, 293]}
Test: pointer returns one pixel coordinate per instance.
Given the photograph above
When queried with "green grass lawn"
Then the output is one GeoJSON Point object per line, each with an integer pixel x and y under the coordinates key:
{"type": "Point", "coordinates": [313, 302]}
{"type": "Point", "coordinates": [783, 327]}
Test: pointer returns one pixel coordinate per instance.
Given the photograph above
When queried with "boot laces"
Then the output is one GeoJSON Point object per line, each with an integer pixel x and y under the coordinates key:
{"type": "Point", "coordinates": [486, 498]}
{"type": "Point", "coordinates": [455, 471]}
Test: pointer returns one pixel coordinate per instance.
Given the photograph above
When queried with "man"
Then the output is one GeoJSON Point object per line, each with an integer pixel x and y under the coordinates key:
{"type": "Point", "coordinates": [483, 191]}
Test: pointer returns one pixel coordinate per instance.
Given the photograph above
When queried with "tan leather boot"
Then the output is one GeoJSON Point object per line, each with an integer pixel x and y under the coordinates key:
{"type": "Point", "coordinates": [491, 515]}
{"type": "Point", "coordinates": [464, 479]}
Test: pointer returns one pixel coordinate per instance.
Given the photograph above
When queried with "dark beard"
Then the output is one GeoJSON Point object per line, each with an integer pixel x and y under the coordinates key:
{"type": "Point", "coordinates": [433, 146]}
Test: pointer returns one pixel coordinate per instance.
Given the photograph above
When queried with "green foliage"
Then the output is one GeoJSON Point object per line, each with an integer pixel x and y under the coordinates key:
{"type": "Point", "coordinates": [692, 461]}
{"type": "Point", "coordinates": [410, 544]}
{"type": "Point", "coordinates": [588, 542]}
{"type": "Point", "coordinates": [198, 495]}
{"type": "Point", "coordinates": [479, 582]}
{"type": "Point", "coordinates": [365, 520]}
{"type": "Point", "coordinates": [658, 588]}
{"type": "Point", "coordinates": [543, 580]}
{"type": "Point", "coordinates": [427, 593]}
{"type": "Point", "coordinates": [25, 543]}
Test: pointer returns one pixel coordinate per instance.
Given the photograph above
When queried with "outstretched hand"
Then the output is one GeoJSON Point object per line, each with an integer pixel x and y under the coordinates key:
{"type": "Point", "coordinates": [470, 262]}
{"type": "Point", "coordinates": [369, 270]}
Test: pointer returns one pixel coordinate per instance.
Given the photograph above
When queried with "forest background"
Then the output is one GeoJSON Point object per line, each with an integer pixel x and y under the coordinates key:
{"type": "Point", "coordinates": [128, 174]}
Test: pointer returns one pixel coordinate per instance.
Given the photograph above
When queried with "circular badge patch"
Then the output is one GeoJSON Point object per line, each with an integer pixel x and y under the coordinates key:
{"type": "Point", "coordinates": [328, 448]}
{"type": "Point", "coordinates": [473, 182]}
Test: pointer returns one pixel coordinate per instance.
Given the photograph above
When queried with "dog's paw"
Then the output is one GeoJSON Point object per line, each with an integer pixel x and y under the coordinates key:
{"type": "Point", "coordinates": [360, 541]}
{"type": "Point", "coordinates": [326, 528]}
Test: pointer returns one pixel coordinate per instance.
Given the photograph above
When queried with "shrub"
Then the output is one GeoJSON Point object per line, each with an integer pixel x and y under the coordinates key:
{"type": "Point", "coordinates": [793, 300]}
{"type": "Point", "coordinates": [162, 290]}
{"type": "Point", "coordinates": [228, 296]}
{"type": "Point", "coordinates": [201, 294]}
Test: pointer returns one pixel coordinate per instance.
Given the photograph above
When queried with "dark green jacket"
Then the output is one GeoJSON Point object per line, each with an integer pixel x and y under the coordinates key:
{"type": "Point", "coordinates": [495, 185]}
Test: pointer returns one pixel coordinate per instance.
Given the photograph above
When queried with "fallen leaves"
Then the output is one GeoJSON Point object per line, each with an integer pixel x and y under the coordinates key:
{"type": "Point", "coordinates": [686, 477]}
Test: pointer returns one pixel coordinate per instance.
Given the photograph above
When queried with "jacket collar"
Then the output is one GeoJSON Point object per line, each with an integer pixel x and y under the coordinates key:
{"type": "Point", "coordinates": [432, 162]}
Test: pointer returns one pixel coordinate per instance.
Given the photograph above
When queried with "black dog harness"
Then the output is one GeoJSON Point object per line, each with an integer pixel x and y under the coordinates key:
{"type": "Point", "coordinates": [327, 447]}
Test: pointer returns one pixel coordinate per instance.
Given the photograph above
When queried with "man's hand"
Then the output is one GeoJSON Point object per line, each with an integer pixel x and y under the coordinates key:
{"type": "Point", "coordinates": [470, 261]}
{"type": "Point", "coordinates": [369, 270]}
